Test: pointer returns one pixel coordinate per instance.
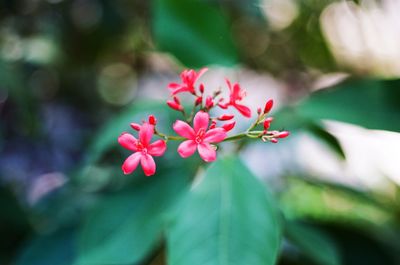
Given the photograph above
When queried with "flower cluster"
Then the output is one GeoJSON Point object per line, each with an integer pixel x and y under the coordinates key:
{"type": "Point", "coordinates": [204, 133]}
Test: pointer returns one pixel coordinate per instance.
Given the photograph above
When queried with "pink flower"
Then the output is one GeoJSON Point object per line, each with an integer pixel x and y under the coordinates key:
{"type": "Point", "coordinates": [144, 151]}
{"type": "Point", "coordinates": [199, 137]}
{"type": "Point", "coordinates": [189, 78]}
{"type": "Point", "coordinates": [236, 94]}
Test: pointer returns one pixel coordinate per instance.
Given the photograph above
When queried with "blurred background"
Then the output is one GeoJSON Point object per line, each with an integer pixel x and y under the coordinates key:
{"type": "Point", "coordinates": [75, 73]}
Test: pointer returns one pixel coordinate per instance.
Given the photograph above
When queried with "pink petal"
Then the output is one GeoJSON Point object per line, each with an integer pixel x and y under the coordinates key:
{"type": "Point", "coordinates": [157, 148]}
{"type": "Point", "coordinates": [215, 135]}
{"type": "Point", "coordinates": [131, 163]}
{"type": "Point", "coordinates": [183, 129]}
{"type": "Point", "coordinates": [206, 152]}
{"type": "Point", "coordinates": [245, 111]}
{"type": "Point", "coordinates": [187, 148]}
{"type": "Point", "coordinates": [148, 165]}
{"type": "Point", "coordinates": [173, 86]}
{"type": "Point", "coordinates": [200, 121]}
{"type": "Point", "coordinates": [236, 91]}
{"type": "Point", "coordinates": [229, 84]}
{"type": "Point", "coordinates": [145, 133]}
{"type": "Point", "coordinates": [201, 72]}
{"type": "Point", "coordinates": [182, 88]}
{"type": "Point", "coordinates": [127, 141]}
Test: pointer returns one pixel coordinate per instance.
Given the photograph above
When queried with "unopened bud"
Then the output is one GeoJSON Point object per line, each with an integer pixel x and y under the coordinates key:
{"type": "Point", "coordinates": [174, 105]}
{"type": "Point", "coordinates": [177, 101]}
{"type": "Point", "coordinates": [283, 134]}
{"type": "Point", "coordinates": [229, 126]}
{"type": "Point", "coordinates": [201, 88]}
{"type": "Point", "coordinates": [258, 110]}
{"type": "Point", "coordinates": [226, 117]}
{"type": "Point", "coordinates": [209, 102]}
{"type": "Point", "coordinates": [274, 140]}
{"type": "Point", "coordinates": [152, 120]}
{"type": "Point", "coordinates": [198, 101]}
{"type": "Point", "coordinates": [213, 124]}
{"type": "Point", "coordinates": [135, 126]}
{"type": "Point", "coordinates": [266, 124]}
{"type": "Point", "coordinates": [268, 106]}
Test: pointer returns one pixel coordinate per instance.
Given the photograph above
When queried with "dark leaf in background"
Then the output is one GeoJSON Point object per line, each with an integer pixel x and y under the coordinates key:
{"type": "Point", "coordinates": [14, 225]}
{"type": "Point", "coordinates": [372, 103]}
{"type": "Point", "coordinates": [55, 249]}
{"type": "Point", "coordinates": [216, 222]}
{"type": "Point", "coordinates": [322, 134]}
{"type": "Point", "coordinates": [196, 32]}
{"type": "Point", "coordinates": [315, 244]}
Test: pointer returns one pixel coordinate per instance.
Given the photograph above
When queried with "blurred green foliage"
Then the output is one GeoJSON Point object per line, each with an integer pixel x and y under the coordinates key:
{"type": "Point", "coordinates": [69, 75]}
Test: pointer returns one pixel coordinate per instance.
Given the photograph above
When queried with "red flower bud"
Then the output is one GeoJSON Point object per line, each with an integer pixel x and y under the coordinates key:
{"type": "Point", "coordinates": [226, 117]}
{"type": "Point", "coordinates": [201, 88]}
{"type": "Point", "coordinates": [152, 120]}
{"type": "Point", "coordinates": [198, 101]}
{"type": "Point", "coordinates": [283, 134]}
{"type": "Point", "coordinates": [267, 124]}
{"type": "Point", "coordinates": [258, 110]}
{"type": "Point", "coordinates": [135, 126]}
{"type": "Point", "coordinates": [274, 140]}
{"type": "Point", "coordinates": [213, 124]}
{"type": "Point", "coordinates": [268, 106]}
{"type": "Point", "coordinates": [229, 126]}
{"type": "Point", "coordinates": [174, 105]}
{"type": "Point", "coordinates": [209, 102]}
{"type": "Point", "coordinates": [177, 101]}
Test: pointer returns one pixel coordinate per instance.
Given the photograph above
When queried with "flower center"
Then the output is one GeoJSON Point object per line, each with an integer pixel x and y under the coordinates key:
{"type": "Point", "coordinates": [200, 136]}
{"type": "Point", "coordinates": [140, 147]}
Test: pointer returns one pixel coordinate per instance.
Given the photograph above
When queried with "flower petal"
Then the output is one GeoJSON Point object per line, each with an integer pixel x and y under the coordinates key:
{"type": "Point", "coordinates": [157, 148]}
{"type": "Point", "coordinates": [148, 165]}
{"type": "Point", "coordinates": [245, 111]}
{"type": "Point", "coordinates": [236, 92]}
{"type": "Point", "coordinates": [215, 135]}
{"type": "Point", "coordinates": [145, 133]}
{"type": "Point", "coordinates": [201, 72]}
{"type": "Point", "coordinates": [187, 148]}
{"type": "Point", "coordinates": [200, 121]}
{"type": "Point", "coordinates": [207, 152]}
{"type": "Point", "coordinates": [180, 89]}
{"type": "Point", "coordinates": [131, 163]}
{"type": "Point", "coordinates": [127, 141]}
{"type": "Point", "coordinates": [229, 84]}
{"type": "Point", "coordinates": [183, 129]}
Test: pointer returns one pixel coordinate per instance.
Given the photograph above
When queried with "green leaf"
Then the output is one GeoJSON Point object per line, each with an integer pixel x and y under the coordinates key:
{"type": "Point", "coordinates": [325, 136]}
{"type": "Point", "coordinates": [371, 103]}
{"type": "Point", "coordinates": [194, 31]}
{"type": "Point", "coordinates": [55, 249]}
{"type": "Point", "coordinates": [125, 227]}
{"type": "Point", "coordinates": [228, 218]}
{"type": "Point", "coordinates": [313, 243]}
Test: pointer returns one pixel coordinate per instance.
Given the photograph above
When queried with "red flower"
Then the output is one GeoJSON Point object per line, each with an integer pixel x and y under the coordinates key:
{"type": "Point", "coordinates": [189, 78]}
{"type": "Point", "coordinates": [144, 151]}
{"type": "Point", "coordinates": [236, 94]}
{"type": "Point", "coordinates": [199, 137]}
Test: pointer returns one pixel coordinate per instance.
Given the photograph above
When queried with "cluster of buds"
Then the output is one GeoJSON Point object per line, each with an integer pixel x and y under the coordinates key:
{"type": "Point", "coordinates": [205, 132]}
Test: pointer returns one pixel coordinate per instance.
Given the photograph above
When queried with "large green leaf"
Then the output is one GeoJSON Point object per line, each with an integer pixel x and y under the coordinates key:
{"type": "Point", "coordinates": [371, 103]}
{"type": "Point", "coordinates": [194, 31]}
{"type": "Point", "coordinates": [58, 248]}
{"type": "Point", "coordinates": [228, 218]}
{"type": "Point", "coordinates": [313, 243]}
{"type": "Point", "coordinates": [125, 227]}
